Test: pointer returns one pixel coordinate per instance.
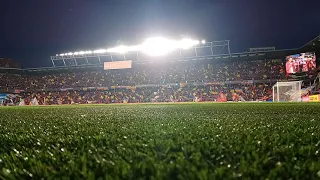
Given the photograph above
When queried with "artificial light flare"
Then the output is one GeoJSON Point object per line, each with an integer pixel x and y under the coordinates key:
{"type": "Point", "coordinates": [156, 46]}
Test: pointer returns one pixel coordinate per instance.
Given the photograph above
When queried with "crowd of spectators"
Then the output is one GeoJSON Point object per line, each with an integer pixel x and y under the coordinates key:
{"type": "Point", "coordinates": [160, 73]}
{"type": "Point", "coordinates": [247, 70]}
{"type": "Point", "coordinates": [49, 87]}
{"type": "Point", "coordinates": [261, 92]}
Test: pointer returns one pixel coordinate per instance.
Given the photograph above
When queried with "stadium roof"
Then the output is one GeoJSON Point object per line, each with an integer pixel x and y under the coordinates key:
{"type": "Point", "coordinates": [312, 45]}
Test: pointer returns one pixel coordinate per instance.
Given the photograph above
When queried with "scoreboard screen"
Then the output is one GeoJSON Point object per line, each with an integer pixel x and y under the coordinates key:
{"type": "Point", "coordinates": [117, 65]}
{"type": "Point", "coordinates": [303, 62]}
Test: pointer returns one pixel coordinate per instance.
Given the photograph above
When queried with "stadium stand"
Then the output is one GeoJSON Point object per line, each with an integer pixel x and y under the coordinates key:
{"type": "Point", "coordinates": [159, 94]}
{"type": "Point", "coordinates": [245, 76]}
{"type": "Point", "coordinates": [160, 82]}
{"type": "Point", "coordinates": [147, 74]}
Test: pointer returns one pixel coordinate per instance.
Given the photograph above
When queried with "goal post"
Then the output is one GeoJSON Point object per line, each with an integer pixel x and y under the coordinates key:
{"type": "Point", "coordinates": [289, 91]}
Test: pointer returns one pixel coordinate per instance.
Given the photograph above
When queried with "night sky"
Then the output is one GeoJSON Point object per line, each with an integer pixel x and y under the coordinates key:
{"type": "Point", "coordinates": [33, 30]}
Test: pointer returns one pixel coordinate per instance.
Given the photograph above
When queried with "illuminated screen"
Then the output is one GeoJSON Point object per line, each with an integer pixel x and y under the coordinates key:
{"type": "Point", "coordinates": [117, 65]}
{"type": "Point", "coordinates": [303, 62]}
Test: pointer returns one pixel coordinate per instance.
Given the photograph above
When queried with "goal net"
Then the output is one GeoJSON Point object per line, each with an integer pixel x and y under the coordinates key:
{"type": "Point", "coordinates": [287, 91]}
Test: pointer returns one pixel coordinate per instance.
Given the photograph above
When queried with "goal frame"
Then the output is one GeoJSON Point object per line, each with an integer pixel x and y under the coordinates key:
{"type": "Point", "coordinates": [276, 89]}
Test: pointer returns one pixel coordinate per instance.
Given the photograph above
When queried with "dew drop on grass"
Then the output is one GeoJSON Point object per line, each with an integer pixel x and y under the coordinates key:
{"type": "Point", "coordinates": [27, 172]}
{"type": "Point", "coordinates": [112, 163]}
{"type": "Point", "coordinates": [50, 153]}
{"type": "Point", "coordinates": [7, 171]}
{"type": "Point", "coordinates": [16, 151]}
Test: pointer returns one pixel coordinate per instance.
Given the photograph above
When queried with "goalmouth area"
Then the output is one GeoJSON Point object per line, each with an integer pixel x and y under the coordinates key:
{"type": "Point", "coordinates": [161, 141]}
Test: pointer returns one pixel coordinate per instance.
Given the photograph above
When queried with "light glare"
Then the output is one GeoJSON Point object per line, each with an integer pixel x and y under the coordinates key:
{"type": "Point", "coordinates": [100, 51]}
{"type": "Point", "coordinates": [119, 49]}
{"type": "Point", "coordinates": [157, 46]}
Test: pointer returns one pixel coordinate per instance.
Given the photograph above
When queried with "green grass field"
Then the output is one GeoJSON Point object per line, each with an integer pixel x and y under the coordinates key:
{"type": "Point", "coordinates": [161, 141]}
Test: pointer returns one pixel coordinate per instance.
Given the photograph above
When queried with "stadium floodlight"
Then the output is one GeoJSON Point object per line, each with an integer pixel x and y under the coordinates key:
{"type": "Point", "coordinates": [186, 43]}
{"type": "Point", "coordinates": [134, 48]}
{"type": "Point", "coordinates": [100, 51]}
{"type": "Point", "coordinates": [203, 41]}
{"type": "Point", "coordinates": [161, 46]}
{"type": "Point", "coordinates": [157, 46]}
{"type": "Point", "coordinates": [120, 49]}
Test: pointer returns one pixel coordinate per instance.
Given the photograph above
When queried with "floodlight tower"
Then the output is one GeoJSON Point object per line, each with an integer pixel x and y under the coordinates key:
{"type": "Point", "coordinates": [154, 48]}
